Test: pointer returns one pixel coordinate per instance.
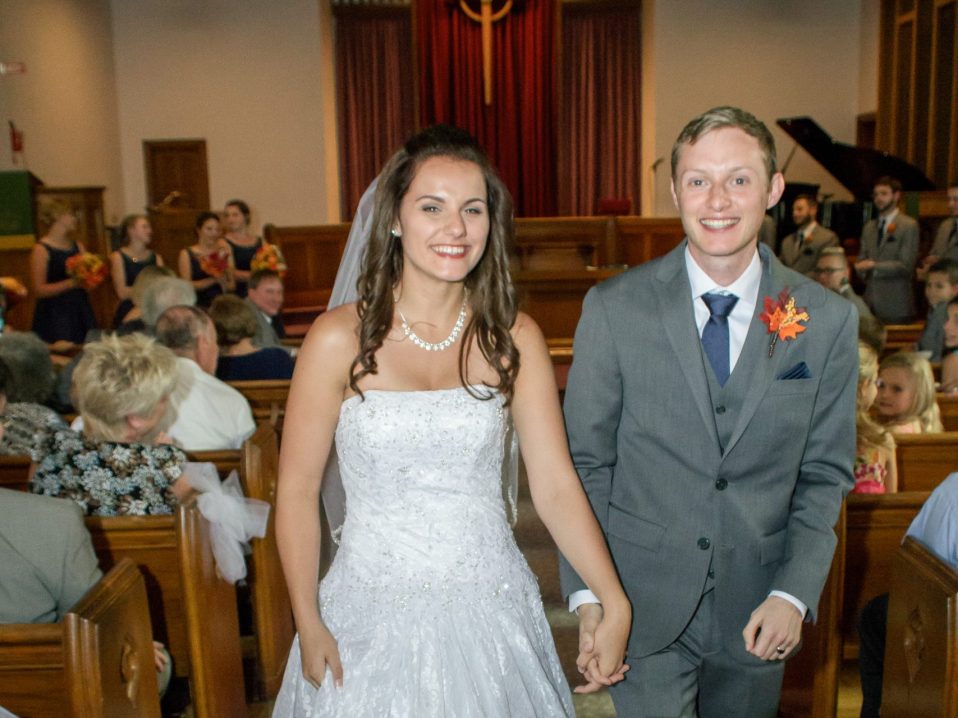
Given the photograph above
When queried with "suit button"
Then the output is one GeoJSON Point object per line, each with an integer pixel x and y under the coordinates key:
{"type": "Point", "coordinates": [720, 410]}
{"type": "Point", "coordinates": [720, 484]}
{"type": "Point", "coordinates": [711, 573]}
{"type": "Point", "coordinates": [704, 543]}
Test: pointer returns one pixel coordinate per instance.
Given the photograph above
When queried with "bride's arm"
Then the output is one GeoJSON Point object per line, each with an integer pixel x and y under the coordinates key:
{"type": "Point", "coordinates": [557, 493]}
{"type": "Point", "coordinates": [312, 411]}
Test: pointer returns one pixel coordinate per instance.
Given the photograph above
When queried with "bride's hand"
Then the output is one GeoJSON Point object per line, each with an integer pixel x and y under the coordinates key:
{"type": "Point", "coordinates": [318, 650]}
{"type": "Point", "coordinates": [611, 641]}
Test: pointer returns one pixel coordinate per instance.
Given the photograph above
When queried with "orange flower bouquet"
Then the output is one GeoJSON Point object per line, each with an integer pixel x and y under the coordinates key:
{"type": "Point", "coordinates": [12, 290]}
{"type": "Point", "coordinates": [88, 269]}
{"type": "Point", "coordinates": [216, 262]}
{"type": "Point", "coordinates": [269, 257]}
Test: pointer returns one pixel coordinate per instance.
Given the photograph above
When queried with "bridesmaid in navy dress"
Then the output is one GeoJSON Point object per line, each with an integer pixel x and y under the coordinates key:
{"type": "Point", "coordinates": [243, 242]}
{"type": "Point", "coordinates": [126, 262]}
{"type": "Point", "coordinates": [209, 240]}
{"type": "Point", "coordinates": [63, 310]}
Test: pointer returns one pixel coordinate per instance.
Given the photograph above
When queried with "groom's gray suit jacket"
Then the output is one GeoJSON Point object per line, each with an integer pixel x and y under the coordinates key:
{"type": "Point", "coordinates": [685, 476]}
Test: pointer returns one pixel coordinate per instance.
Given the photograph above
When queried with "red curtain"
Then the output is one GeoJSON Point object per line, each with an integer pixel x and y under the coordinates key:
{"type": "Point", "coordinates": [375, 88]}
{"type": "Point", "coordinates": [517, 129]}
{"type": "Point", "coordinates": [599, 129]}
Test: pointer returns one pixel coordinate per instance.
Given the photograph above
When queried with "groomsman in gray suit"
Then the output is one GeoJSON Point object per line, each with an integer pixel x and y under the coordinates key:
{"type": "Point", "coordinates": [886, 260]}
{"type": "Point", "coordinates": [265, 295]}
{"type": "Point", "coordinates": [802, 248]}
{"type": "Point", "coordinates": [711, 417]}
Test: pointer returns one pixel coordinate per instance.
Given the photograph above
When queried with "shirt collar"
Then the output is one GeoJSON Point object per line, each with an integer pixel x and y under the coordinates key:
{"type": "Point", "coordinates": [808, 228]}
{"type": "Point", "coordinates": [890, 217]}
{"type": "Point", "coordinates": [746, 286]}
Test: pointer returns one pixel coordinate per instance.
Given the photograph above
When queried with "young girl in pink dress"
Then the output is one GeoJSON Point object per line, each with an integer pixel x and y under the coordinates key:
{"type": "Point", "coordinates": [875, 471]}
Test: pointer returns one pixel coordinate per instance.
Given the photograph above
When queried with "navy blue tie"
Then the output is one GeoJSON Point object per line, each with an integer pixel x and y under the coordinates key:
{"type": "Point", "coordinates": [715, 334]}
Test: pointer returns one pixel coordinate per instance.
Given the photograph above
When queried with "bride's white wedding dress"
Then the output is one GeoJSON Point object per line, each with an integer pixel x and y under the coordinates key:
{"type": "Point", "coordinates": [434, 609]}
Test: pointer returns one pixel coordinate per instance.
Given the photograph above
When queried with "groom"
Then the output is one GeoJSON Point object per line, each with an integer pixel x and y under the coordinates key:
{"type": "Point", "coordinates": [711, 417]}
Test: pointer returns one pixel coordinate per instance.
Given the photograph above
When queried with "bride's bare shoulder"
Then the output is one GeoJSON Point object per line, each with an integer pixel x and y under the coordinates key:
{"type": "Point", "coordinates": [335, 333]}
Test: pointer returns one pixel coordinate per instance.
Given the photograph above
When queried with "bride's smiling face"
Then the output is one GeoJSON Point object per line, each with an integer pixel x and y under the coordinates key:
{"type": "Point", "coordinates": [444, 220]}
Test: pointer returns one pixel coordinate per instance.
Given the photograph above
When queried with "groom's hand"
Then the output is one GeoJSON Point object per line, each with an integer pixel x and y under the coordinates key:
{"type": "Point", "coordinates": [590, 616]}
{"type": "Point", "coordinates": [774, 629]}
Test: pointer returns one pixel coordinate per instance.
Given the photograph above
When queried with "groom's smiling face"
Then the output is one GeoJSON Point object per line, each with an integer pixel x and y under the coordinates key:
{"type": "Point", "coordinates": [721, 189]}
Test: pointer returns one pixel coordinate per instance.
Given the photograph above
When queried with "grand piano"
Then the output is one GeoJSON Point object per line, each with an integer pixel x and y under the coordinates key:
{"type": "Point", "coordinates": [856, 168]}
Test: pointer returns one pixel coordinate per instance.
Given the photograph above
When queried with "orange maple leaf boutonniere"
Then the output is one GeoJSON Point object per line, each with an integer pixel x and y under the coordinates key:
{"type": "Point", "coordinates": [890, 229]}
{"type": "Point", "coordinates": [783, 319]}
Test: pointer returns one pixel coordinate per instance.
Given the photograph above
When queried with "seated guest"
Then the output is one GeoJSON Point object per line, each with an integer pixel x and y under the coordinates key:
{"type": "Point", "coordinates": [28, 360]}
{"type": "Point", "coordinates": [160, 291]}
{"type": "Point", "coordinates": [22, 424]}
{"type": "Point", "coordinates": [906, 395]}
{"type": "Point", "coordinates": [239, 359]}
{"type": "Point", "coordinates": [801, 249]}
{"type": "Point", "coordinates": [832, 272]}
{"type": "Point", "coordinates": [875, 470]}
{"type": "Point", "coordinates": [127, 262]}
{"type": "Point", "coordinates": [889, 250]}
{"type": "Point", "coordinates": [949, 362]}
{"type": "Point", "coordinates": [209, 413]}
{"type": "Point", "coordinates": [132, 320]}
{"type": "Point", "coordinates": [47, 563]}
{"type": "Point", "coordinates": [265, 296]}
{"type": "Point", "coordinates": [118, 465]}
{"type": "Point", "coordinates": [941, 286]}
{"type": "Point", "coordinates": [936, 526]}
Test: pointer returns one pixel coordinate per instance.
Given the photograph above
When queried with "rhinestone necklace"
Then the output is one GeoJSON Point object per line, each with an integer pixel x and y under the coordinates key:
{"type": "Point", "coordinates": [437, 346]}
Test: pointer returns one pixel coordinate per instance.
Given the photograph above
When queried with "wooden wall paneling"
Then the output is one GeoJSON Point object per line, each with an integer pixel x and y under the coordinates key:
{"type": "Point", "coordinates": [554, 243]}
{"type": "Point", "coordinates": [942, 148]}
{"type": "Point", "coordinates": [176, 173]}
{"type": "Point", "coordinates": [641, 239]}
{"type": "Point", "coordinates": [554, 299]}
{"type": "Point", "coordinates": [312, 254]}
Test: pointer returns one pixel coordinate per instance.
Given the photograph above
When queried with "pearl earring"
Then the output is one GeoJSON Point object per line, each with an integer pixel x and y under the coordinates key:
{"type": "Point", "coordinates": [395, 234]}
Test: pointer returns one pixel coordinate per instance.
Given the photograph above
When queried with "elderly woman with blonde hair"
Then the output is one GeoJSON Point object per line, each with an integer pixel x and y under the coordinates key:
{"type": "Point", "coordinates": [121, 463]}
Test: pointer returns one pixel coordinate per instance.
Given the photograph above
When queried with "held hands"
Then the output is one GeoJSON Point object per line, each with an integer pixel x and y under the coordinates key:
{"type": "Point", "coordinates": [775, 624]}
{"type": "Point", "coordinates": [318, 650]}
{"type": "Point", "coordinates": [603, 638]}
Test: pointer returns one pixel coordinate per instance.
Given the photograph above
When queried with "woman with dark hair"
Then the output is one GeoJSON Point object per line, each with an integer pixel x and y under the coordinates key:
{"type": "Point", "coordinates": [63, 309]}
{"type": "Point", "coordinates": [126, 262]}
{"type": "Point", "coordinates": [242, 241]}
{"type": "Point", "coordinates": [429, 608]}
{"type": "Point", "coordinates": [208, 264]}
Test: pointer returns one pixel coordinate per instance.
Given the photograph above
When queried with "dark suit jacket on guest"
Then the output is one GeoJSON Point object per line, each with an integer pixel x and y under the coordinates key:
{"type": "Point", "coordinates": [802, 256]}
{"type": "Point", "coordinates": [682, 484]}
{"type": "Point", "coordinates": [888, 287]}
{"type": "Point", "coordinates": [266, 335]}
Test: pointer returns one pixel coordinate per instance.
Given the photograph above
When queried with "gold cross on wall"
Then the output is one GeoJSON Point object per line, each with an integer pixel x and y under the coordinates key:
{"type": "Point", "coordinates": [485, 18]}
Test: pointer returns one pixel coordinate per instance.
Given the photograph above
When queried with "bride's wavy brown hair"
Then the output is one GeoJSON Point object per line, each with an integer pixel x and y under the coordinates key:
{"type": "Point", "coordinates": [491, 296]}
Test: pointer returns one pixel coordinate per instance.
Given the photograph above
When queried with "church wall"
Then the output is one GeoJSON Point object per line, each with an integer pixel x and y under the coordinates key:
{"type": "Point", "coordinates": [65, 104]}
{"type": "Point", "coordinates": [245, 76]}
{"type": "Point", "coordinates": [780, 58]}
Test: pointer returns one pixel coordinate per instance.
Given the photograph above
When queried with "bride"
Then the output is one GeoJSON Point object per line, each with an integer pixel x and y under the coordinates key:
{"type": "Point", "coordinates": [429, 608]}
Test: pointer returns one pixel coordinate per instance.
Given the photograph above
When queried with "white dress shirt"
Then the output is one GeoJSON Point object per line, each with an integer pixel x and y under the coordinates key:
{"type": "Point", "coordinates": [210, 414]}
{"type": "Point", "coordinates": [746, 289]}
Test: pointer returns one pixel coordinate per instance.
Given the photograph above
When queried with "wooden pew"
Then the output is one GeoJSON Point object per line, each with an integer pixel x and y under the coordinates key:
{"type": "Point", "coordinates": [810, 686]}
{"type": "Point", "coordinates": [15, 472]}
{"type": "Point", "coordinates": [554, 298]}
{"type": "Point", "coordinates": [876, 525]}
{"type": "Point", "coordinates": [925, 460]}
{"type": "Point", "coordinates": [948, 404]}
{"type": "Point", "coordinates": [216, 675]}
{"type": "Point", "coordinates": [266, 398]}
{"type": "Point", "coordinates": [312, 254]}
{"type": "Point", "coordinates": [97, 662]}
{"type": "Point", "coordinates": [902, 337]}
{"type": "Point", "coordinates": [640, 239]}
{"type": "Point", "coordinates": [558, 243]}
{"type": "Point", "coordinates": [272, 612]}
{"type": "Point", "coordinates": [921, 647]}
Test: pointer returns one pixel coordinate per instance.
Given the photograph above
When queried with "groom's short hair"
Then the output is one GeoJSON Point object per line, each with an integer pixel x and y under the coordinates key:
{"type": "Point", "coordinates": [719, 117]}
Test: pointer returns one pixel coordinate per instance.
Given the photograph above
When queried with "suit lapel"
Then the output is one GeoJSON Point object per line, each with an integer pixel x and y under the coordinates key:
{"type": "Point", "coordinates": [674, 295]}
{"type": "Point", "coordinates": [758, 341]}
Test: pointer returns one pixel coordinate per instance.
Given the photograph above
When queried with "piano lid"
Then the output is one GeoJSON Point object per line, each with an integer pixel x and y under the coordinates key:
{"type": "Point", "coordinates": [856, 168]}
